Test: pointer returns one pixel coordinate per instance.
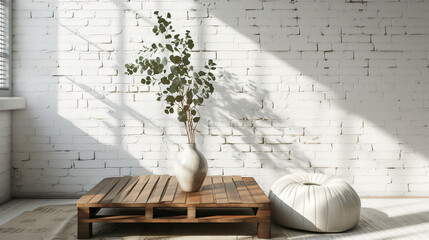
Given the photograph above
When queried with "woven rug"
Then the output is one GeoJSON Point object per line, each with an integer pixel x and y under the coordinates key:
{"type": "Point", "coordinates": [59, 222]}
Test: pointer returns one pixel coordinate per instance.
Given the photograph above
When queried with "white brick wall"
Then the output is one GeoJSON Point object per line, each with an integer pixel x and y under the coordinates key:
{"type": "Point", "coordinates": [5, 166]}
{"type": "Point", "coordinates": [317, 86]}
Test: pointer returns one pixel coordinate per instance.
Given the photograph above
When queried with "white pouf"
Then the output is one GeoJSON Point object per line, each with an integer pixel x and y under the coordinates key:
{"type": "Point", "coordinates": [314, 202]}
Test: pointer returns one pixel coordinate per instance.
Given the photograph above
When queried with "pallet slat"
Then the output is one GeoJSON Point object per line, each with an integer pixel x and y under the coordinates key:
{"type": "Point", "coordinates": [181, 218]}
{"type": "Point", "coordinates": [193, 198]}
{"type": "Point", "coordinates": [105, 190]}
{"type": "Point", "coordinates": [231, 190]}
{"type": "Point", "coordinates": [207, 191]}
{"type": "Point", "coordinates": [126, 190]}
{"type": "Point", "coordinates": [219, 190]}
{"type": "Point", "coordinates": [244, 193]}
{"type": "Point", "coordinates": [158, 190]}
{"type": "Point", "coordinates": [180, 196]}
{"type": "Point", "coordinates": [170, 191]}
{"type": "Point", "coordinates": [115, 191]}
{"type": "Point", "coordinates": [147, 191]}
{"type": "Point", "coordinates": [135, 192]}
{"type": "Point", "coordinates": [256, 192]}
{"type": "Point", "coordinates": [96, 189]}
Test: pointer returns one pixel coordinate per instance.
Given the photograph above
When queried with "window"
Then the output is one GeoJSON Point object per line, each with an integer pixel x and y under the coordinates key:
{"type": "Point", "coordinates": [4, 48]}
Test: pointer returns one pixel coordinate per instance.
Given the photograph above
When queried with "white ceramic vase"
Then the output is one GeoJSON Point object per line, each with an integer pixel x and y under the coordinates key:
{"type": "Point", "coordinates": [190, 168]}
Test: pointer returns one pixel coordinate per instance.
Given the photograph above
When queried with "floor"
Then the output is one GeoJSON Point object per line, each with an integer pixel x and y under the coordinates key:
{"type": "Point", "coordinates": [381, 218]}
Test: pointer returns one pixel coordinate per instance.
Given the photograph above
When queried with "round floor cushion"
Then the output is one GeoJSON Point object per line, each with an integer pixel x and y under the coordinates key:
{"type": "Point", "coordinates": [314, 202]}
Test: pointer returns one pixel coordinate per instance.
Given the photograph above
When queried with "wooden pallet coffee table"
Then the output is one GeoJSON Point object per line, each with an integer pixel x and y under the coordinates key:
{"type": "Point", "coordinates": [162, 191]}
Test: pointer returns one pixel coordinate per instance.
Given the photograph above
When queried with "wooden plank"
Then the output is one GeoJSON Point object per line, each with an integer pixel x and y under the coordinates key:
{"type": "Point", "coordinates": [231, 190]}
{"type": "Point", "coordinates": [161, 185]}
{"type": "Point", "coordinates": [192, 212]}
{"type": "Point", "coordinates": [244, 193]}
{"type": "Point", "coordinates": [193, 198]}
{"type": "Point", "coordinates": [84, 229]}
{"type": "Point", "coordinates": [147, 190]}
{"type": "Point", "coordinates": [219, 189]}
{"type": "Point", "coordinates": [171, 190]}
{"type": "Point", "coordinates": [106, 189]}
{"type": "Point", "coordinates": [180, 196]}
{"type": "Point", "coordinates": [207, 191]}
{"type": "Point", "coordinates": [96, 189]}
{"type": "Point", "coordinates": [116, 190]}
{"type": "Point", "coordinates": [264, 230]}
{"type": "Point", "coordinates": [148, 212]}
{"type": "Point", "coordinates": [126, 190]}
{"type": "Point", "coordinates": [171, 219]}
{"type": "Point", "coordinates": [132, 197]}
{"type": "Point", "coordinates": [256, 192]}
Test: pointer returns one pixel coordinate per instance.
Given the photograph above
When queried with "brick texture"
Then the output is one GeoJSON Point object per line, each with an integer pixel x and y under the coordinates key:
{"type": "Point", "coordinates": [335, 87]}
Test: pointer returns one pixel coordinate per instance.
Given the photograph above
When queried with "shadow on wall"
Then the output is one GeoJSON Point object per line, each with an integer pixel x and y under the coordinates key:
{"type": "Point", "coordinates": [314, 82]}
{"type": "Point", "coordinates": [237, 112]}
{"type": "Point", "coordinates": [379, 79]}
{"type": "Point", "coordinates": [353, 76]}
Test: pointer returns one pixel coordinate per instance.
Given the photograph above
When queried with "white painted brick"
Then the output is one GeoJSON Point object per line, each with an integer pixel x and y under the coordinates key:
{"type": "Point", "coordinates": [339, 91]}
{"type": "Point", "coordinates": [418, 187]}
{"type": "Point", "coordinates": [89, 164]}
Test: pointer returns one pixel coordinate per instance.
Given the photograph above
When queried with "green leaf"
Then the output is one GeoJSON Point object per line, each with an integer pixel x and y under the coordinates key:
{"type": "Point", "coordinates": [196, 119]}
{"type": "Point", "coordinates": [182, 118]}
{"type": "Point", "coordinates": [169, 47]}
{"type": "Point", "coordinates": [156, 12]}
{"type": "Point", "coordinates": [169, 98]}
{"type": "Point", "coordinates": [168, 15]}
{"type": "Point", "coordinates": [179, 98]}
{"type": "Point", "coordinates": [190, 43]}
{"type": "Point", "coordinates": [186, 61]}
{"type": "Point", "coordinates": [153, 45]}
{"type": "Point", "coordinates": [189, 97]}
{"type": "Point", "coordinates": [164, 80]}
{"type": "Point", "coordinates": [162, 28]}
{"type": "Point", "coordinates": [171, 110]}
{"type": "Point", "coordinates": [175, 59]}
{"type": "Point", "coordinates": [193, 112]}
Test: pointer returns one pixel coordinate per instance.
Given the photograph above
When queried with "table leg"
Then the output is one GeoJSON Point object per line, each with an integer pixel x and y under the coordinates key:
{"type": "Point", "coordinates": [264, 222]}
{"type": "Point", "coordinates": [264, 230]}
{"type": "Point", "coordinates": [84, 229]}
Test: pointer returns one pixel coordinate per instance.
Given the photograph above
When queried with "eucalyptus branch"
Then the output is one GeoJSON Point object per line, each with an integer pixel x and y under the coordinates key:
{"type": "Point", "coordinates": [185, 88]}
